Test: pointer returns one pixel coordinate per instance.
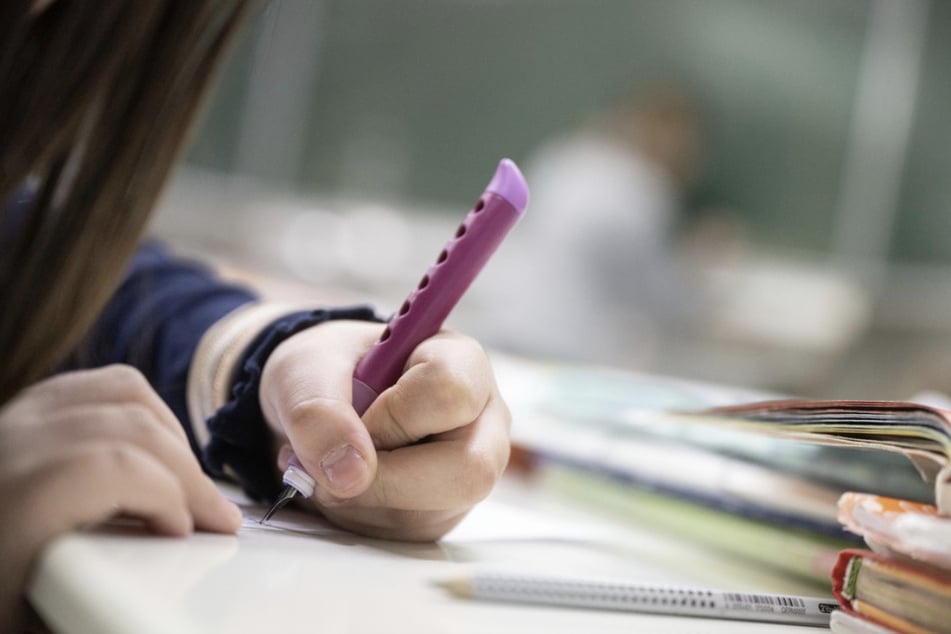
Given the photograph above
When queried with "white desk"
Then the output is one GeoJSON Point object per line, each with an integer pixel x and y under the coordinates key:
{"type": "Point", "coordinates": [303, 575]}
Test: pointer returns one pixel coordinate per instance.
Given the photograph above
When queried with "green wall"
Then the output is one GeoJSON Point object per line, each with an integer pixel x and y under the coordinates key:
{"type": "Point", "coordinates": [442, 89]}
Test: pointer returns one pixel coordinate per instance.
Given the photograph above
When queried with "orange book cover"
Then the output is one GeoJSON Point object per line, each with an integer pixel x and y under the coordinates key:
{"type": "Point", "coordinates": [899, 528]}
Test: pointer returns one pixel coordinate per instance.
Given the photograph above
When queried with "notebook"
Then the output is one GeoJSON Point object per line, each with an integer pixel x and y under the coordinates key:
{"type": "Point", "coordinates": [902, 596]}
{"type": "Point", "coordinates": [920, 432]}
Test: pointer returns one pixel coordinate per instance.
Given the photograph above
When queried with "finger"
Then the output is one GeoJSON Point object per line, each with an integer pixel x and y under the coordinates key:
{"type": "Point", "coordinates": [307, 392]}
{"type": "Point", "coordinates": [78, 486]}
{"type": "Point", "coordinates": [396, 524]}
{"type": "Point", "coordinates": [110, 384]}
{"type": "Point", "coordinates": [113, 478]}
{"type": "Point", "coordinates": [332, 444]}
{"type": "Point", "coordinates": [453, 471]}
{"type": "Point", "coordinates": [447, 384]}
{"type": "Point", "coordinates": [284, 456]}
{"type": "Point", "coordinates": [137, 425]}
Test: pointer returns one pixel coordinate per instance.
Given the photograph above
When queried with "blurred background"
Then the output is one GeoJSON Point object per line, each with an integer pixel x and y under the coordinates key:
{"type": "Point", "coordinates": [747, 191]}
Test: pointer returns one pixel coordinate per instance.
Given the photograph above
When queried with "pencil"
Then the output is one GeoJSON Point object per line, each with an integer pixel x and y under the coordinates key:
{"type": "Point", "coordinates": [611, 594]}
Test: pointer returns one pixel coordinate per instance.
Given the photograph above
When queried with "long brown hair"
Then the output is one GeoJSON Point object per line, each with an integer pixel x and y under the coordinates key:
{"type": "Point", "coordinates": [96, 101]}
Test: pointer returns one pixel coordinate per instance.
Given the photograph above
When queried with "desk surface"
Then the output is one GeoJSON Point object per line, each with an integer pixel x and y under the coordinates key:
{"type": "Point", "coordinates": [302, 575]}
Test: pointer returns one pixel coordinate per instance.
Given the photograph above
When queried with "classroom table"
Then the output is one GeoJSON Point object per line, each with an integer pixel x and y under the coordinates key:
{"type": "Point", "coordinates": [301, 574]}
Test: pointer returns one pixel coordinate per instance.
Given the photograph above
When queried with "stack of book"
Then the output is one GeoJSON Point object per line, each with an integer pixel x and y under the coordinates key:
{"type": "Point", "coordinates": [902, 581]}
{"type": "Point", "coordinates": [690, 459]}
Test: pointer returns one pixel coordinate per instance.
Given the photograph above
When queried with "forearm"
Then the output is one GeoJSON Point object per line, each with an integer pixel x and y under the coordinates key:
{"type": "Point", "coordinates": [155, 320]}
{"type": "Point", "coordinates": [202, 344]}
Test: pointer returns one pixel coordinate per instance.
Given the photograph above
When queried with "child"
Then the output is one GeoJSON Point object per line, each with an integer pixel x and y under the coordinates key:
{"type": "Point", "coordinates": [121, 364]}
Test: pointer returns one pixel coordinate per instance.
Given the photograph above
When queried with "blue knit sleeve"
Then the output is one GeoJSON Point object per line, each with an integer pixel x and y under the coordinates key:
{"type": "Point", "coordinates": [155, 321]}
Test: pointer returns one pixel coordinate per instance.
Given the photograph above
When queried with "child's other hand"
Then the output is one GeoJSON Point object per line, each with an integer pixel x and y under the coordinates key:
{"type": "Point", "coordinates": [82, 447]}
{"type": "Point", "coordinates": [427, 449]}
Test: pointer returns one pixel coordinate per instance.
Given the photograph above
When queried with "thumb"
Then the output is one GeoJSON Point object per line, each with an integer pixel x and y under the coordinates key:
{"type": "Point", "coordinates": [308, 398]}
{"type": "Point", "coordinates": [332, 444]}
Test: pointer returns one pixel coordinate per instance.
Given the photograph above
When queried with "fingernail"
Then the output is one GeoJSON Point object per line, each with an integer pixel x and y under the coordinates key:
{"type": "Point", "coordinates": [344, 467]}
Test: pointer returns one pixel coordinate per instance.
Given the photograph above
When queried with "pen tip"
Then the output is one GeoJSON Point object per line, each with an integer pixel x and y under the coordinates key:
{"type": "Point", "coordinates": [286, 496]}
{"type": "Point", "coordinates": [271, 511]}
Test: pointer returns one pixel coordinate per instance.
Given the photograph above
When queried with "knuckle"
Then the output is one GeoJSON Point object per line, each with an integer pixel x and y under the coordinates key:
{"type": "Point", "coordinates": [128, 381]}
{"type": "Point", "coordinates": [139, 419]}
{"type": "Point", "coordinates": [382, 491]}
{"type": "Point", "coordinates": [457, 391]}
{"type": "Point", "coordinates": [480, 474]}
{"type": "Point", "coordinates": [115, 457]}
{"type": "Point", "coordinates": [304, 413]}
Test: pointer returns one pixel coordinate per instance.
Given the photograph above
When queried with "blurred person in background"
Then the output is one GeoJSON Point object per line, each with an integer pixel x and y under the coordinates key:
{"type": "Point", "coordinates": [603, 280]}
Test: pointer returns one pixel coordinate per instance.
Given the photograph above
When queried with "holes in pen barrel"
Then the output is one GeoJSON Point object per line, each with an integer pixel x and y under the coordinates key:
{"type": "Point", "coordinates": [423, 283]}
{"type": "Point", "coordinates": [442, 257]}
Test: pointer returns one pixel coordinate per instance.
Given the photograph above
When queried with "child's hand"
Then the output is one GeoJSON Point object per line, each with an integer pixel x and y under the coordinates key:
{"type": "Point", "coordinates": [427, 449]}
{"type": "Point", "coordinates": [82, 447]}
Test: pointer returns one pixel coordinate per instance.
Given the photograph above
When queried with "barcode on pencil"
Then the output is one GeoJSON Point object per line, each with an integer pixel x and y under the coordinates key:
{"type": "Point", "coordinates": [765, 599]}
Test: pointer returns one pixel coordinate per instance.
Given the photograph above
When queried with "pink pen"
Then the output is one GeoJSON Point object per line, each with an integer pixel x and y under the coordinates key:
{"type": "Point", "coordinates": [424, 311]}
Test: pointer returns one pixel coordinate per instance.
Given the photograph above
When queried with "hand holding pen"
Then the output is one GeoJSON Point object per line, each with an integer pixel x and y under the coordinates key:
{"type": "Point", "coordinates": [434, 433]}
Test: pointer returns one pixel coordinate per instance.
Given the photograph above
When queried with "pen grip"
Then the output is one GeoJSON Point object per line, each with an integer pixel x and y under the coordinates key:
{"type": "Point", "coordinates": [444, 283]}
{"type": "Point", "coordinates": [363, 395]}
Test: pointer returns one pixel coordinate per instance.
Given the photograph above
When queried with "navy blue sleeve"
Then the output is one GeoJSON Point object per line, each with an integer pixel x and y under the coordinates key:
{"type": "Point", "coordinates": [155, 321]}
